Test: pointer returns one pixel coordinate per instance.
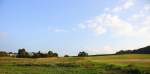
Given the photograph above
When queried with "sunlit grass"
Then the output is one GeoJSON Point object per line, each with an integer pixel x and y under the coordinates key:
{"type": "Point", "coordinates": [76, 65]}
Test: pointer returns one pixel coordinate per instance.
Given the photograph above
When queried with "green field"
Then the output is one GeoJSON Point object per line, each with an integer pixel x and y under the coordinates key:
{"type": "Point", "coordinates": [112, 64]}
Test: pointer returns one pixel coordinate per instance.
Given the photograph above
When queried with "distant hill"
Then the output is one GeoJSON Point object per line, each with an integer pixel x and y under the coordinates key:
{"type": "Point", "coordinates": [144, 50]}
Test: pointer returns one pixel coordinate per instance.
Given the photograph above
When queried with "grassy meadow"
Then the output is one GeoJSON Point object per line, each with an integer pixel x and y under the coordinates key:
{"type": "Point", "coordinates": [111, 64]}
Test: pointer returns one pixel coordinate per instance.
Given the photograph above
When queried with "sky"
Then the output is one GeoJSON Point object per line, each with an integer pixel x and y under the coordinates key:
{"type": "Point", "coordinates": [70, 26]}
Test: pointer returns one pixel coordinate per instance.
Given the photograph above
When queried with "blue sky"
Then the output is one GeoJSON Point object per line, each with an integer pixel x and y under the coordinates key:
{"type": "Point", "coordinates": [70, 26]}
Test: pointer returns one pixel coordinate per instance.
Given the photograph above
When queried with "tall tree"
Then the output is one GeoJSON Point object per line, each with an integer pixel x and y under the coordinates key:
{"type": "Point", "coordinates": [82, 54]}
{"type": "Point", "coordinates": [22, 53]}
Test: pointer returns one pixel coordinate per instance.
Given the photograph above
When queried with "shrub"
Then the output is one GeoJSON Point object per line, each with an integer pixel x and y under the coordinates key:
{"type": "Point", "coordinates": [3, 53]}
{"type": "Point", "coordinates": [82, 54]}
{"type": "Point", "coordinates": [22, 53]}
{"type": "Point", "coordinates": [66, 55]}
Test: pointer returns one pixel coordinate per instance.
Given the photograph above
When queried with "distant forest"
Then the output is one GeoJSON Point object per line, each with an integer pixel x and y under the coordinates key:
{"type": "Point", "coordinates": [144, 50]}
{"type": "Point", "coordinates": [22, 53]}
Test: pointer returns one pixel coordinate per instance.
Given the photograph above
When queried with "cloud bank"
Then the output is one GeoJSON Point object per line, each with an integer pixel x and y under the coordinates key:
{"type": "Point", "coordinates": [117, 21]}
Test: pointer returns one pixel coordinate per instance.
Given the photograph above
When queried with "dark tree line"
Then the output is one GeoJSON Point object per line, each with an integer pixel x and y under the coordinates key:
{"type": "Point", "coordinates": [3, 53]}
{"type": "Point", "coordinates": [144, 50]}
{"type": "Point", "coordinates": [82, 54]}
{"type": "Point", "coordinates": [22, 53]}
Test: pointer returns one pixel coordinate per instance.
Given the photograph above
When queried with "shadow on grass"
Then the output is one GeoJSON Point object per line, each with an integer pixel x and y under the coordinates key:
{"type": "Point", "coordinates": [129, 69]}
{"type": "Point", "coordinates": [107, 68]}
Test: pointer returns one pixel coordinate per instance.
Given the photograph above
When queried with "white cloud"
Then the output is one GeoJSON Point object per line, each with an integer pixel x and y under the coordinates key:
{"type": "Point", "coordinates": [132, 29]}
{"type": "Point", "coordinates": [128, 4]}
{"type": "Point", "coordinates": [137, 24]}
{"type": "Point", "coordinates": [147, 8]}
{"type": "Point", "coordinates": [117, 25]}
{"type": "Point", "coordinates": [94, 25]}
{"type": "Point", "coordinates": [100, 30]}
{"type": "Point", "coordinates": [82, 26]}
{"type": "Point", "coordinates": [124, 5]}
